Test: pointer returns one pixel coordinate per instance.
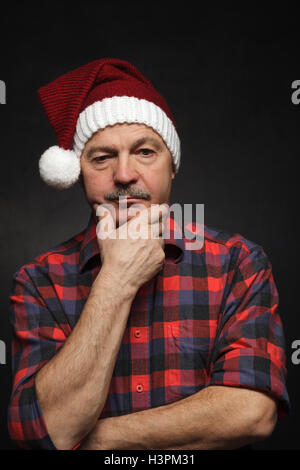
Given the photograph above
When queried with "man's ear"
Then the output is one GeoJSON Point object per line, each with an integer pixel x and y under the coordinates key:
{"type": "Point", "coordinates": [173, 170]}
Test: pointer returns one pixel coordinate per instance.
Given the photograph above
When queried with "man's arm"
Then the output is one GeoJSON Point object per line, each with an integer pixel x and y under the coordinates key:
{"type": "Point", "coordinates": [72, 387]}
{"type": "Point", "coordinates": [217, 417]}
{"type": "Point", "coordinates": [247, 360]}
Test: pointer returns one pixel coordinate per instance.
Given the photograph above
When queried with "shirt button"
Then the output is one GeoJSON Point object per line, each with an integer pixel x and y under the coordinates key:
{"type": "Point", "coordinates": [137, 333]}
{"type": "Point", "coordinates": [139, 388]}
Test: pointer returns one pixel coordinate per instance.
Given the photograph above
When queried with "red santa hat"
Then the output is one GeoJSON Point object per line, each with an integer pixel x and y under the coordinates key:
{"type": "Point", "coordinates": [99, 94]}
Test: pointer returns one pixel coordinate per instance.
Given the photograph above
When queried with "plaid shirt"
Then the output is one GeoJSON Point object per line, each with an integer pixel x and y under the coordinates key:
{"type": "Point", "coordinates": [208, 317]}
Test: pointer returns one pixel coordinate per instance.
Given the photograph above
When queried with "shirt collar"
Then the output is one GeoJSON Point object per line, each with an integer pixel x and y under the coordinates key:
{"type": "Point", "coordinates": [174, 247]}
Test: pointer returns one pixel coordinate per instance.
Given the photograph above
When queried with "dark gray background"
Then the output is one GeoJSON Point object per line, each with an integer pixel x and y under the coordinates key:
{"type": "Point", "coordinates": [226, 73]}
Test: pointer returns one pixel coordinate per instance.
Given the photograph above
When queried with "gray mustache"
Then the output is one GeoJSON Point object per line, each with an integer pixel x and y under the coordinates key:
{"type": "Point", "coordinates": [132, 193]}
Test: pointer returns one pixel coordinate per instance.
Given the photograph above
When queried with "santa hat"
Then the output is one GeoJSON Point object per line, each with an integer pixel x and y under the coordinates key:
{"type": "Point", "coordinates": [102, 93]}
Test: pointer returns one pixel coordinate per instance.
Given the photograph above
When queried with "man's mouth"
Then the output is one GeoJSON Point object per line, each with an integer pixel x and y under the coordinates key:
{"type": "Point", "coordinates": [133, 198]}
{"type": "Point", "coordinates": [128, 199]}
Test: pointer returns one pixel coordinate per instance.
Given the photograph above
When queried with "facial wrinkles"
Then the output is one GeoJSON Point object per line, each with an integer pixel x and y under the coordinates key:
{"type": "Point", "coordinates": [123, 141]}
{"type": "Point", "coordinates": [123, 190]}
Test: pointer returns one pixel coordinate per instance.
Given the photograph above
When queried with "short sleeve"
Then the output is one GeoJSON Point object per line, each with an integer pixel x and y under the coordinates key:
{"type": "Point", "coordinates": [249, 350]}
{"type": "Point", "coordinates": [36, 338]}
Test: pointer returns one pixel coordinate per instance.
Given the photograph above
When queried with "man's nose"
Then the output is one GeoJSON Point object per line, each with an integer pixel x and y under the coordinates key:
{"type": "Point", "coordinates": [124, 170]}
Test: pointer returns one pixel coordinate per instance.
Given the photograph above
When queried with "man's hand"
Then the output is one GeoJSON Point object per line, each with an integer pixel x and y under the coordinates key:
{"type": "Point", "coordinates": [134, 251]}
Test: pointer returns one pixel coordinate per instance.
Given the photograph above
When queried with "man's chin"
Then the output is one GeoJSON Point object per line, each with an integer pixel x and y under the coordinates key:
{"type": "Point", "coordinates": [125, 214]}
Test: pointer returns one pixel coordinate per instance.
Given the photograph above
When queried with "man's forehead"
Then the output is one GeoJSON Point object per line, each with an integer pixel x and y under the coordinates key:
{"type": "Point", "coordinates": [126, 131]}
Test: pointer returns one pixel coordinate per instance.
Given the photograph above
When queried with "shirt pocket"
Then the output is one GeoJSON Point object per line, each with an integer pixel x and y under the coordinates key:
{"type": "Point", "coordinates": [187, 358]}
{"type": "Point", "coordinates": [193, 337]}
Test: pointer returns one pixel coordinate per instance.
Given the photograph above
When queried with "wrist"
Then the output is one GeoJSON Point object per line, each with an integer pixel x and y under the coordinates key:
{"type": "Point", "coordinates": [101, 437]}
{"type": "Point", "coordinates": [112, 281]}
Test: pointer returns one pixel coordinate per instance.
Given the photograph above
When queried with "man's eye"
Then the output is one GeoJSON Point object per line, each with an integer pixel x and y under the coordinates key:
{"type": "Point", "coordinates": [100, 159]}
{"type": "Point", "coordinates": [146, 152]}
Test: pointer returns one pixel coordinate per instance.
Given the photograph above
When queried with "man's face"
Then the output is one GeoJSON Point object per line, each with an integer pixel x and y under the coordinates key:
{"type": "Point", "coordinates": [126, 160]}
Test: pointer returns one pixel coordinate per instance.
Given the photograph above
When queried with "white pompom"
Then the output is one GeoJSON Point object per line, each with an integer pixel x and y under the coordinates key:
{"type": "Point", "coordinates": [59, 168]}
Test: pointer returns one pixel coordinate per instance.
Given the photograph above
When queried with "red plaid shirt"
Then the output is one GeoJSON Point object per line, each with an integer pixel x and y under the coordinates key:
{"type": "Point", "coordinates": [208, 317]}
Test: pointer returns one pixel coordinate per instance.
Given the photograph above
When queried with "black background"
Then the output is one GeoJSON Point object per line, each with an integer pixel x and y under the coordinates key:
{"type": "Point", "coordinates": [226, 72]}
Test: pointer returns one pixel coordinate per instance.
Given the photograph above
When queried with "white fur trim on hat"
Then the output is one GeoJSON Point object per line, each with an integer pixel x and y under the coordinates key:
{"type": "Point", "coordinates": [129, 109]}
{"type": "Point", "coordinates": [59, 168]}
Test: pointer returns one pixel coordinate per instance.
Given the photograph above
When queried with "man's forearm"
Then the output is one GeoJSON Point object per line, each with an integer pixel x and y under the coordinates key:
{"type": "Point", "coordinates": [215, 418]}
{"type": "Point", "coordinates": [72, 387]}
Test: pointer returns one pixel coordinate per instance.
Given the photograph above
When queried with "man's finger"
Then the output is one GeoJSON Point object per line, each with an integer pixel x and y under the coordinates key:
{"type": "Point", "coordinates": [154, 213]}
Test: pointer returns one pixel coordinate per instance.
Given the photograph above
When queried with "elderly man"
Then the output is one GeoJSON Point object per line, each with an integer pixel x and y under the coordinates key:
{"type": "Point", "coordinates": [138, 342]}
